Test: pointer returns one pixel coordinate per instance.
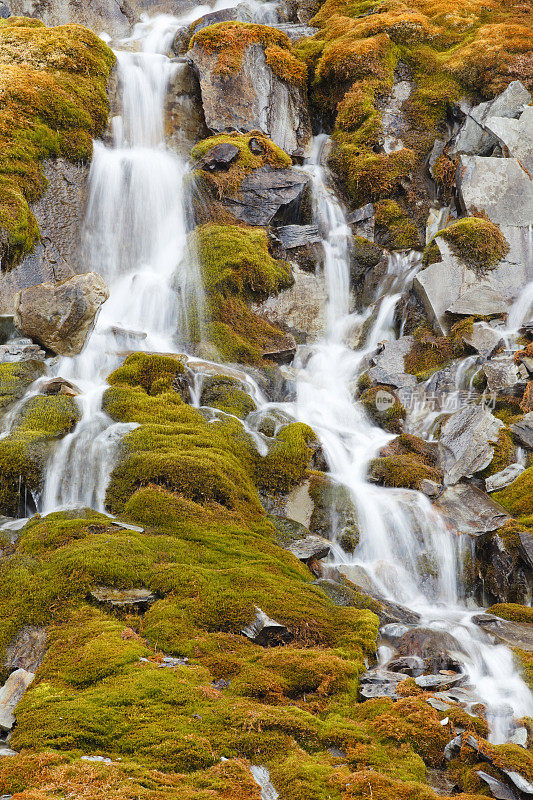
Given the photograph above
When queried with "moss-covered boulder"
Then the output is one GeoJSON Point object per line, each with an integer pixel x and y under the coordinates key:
{"type": "Point", "coordinates": [16, 378]}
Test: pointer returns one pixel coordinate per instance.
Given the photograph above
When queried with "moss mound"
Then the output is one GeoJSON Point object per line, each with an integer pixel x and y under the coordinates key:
{"type": "Point", "coordinates": [517, 498]}
{"type": "Point", "coordinates": [512, 611]}
{"type": "Point", "coordinates": [227, 394]}
{"type": "Point", "coordinates": [16, 378]}
{"type": "Point", "coordinates": [24, 452]}
{"type": "Point", "coordinates": [53, 84]}
{"type": "Point", "coordinates": [476, 241]}
{"type": "Point", "coordinates": [230, 40]}
{"type": "Point", "coordinates": [391, 417]}
{"type": "Point", "coordinates": [405, 471]}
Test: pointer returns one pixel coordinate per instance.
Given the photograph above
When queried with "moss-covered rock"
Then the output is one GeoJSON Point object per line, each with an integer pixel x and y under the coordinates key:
{"type": "Point", "coordinates": [478, 242]}
{"type": "Point", "coordinates": [517, 498]}
{"type": "Point", "coordinates": [390, 417]}
{"type": "Point", "coordinates": [16, 378]}
{"type": "Point", "coordinates": [226, 394]}
{"type": "Point", "coordinates": [54, 102]}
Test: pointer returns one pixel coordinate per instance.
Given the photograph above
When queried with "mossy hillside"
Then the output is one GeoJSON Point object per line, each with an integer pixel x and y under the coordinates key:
{"type": "Point", "coordinates": [476, 241]}
{"type": "Point", "coordinates": [229, 41]}
{"type": "Point", "coordinates": [238, 269]}
{"type": "Point", "coordinates": [448, 51]}
{"type": "Point", "coordinates": [517, 498]}
{"type": "Point", "coordinates": [214, 464]}
{"type": "Point", "coordinates": [24, 452]}
{"type": "Point", "coordinates": [53, 83]}
{"type": "Point", "coordinates": [16, 378]}
{"type": "Point", "coordinates": [504, 453]}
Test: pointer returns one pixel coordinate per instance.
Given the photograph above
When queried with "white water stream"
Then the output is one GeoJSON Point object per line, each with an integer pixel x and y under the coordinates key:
{"type": "Point", "coordinates": [135, 238]}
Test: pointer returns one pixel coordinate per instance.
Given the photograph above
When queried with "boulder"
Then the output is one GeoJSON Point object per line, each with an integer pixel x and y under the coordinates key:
{"type": "Point", "coordinates": [434, 682]}
{"type": "Point", "coordinates": [479, 301]}
{"type": "Point", "coordinates": [483, 339]}
{"type": "Point", "coordinates": [498, 186]}
{"type": "Point", "coordinates": [266, 631]}
{"type": "Point", "coordinates": [504, 477]}
{"type": "Point", "coordinates": [10, 694]}
{"type": "Point", "coordinates": [523, 430]}
{"type": "Point", "coordinates": [437, 649]}
{"type": "Point", "coordinates": [113, 16]}
{"type": "Point", "coordinates": [60, 386]}
{"type": "Point", "coordinates": [500, 573]}
{"type": "Point", "coordinates": [252, 98]}
{"type": "Point", "coordinates": [498, 789]}
{"type": "Point", "coordinates": [60, 214]}
{"type": "Point", "coordinates": [380, 682]}
{"type": "Point", "coordinates": [61, 315]}
{"type": "Point", "coordinates": [388, 369]}
{"type": "Point", "coordinates": [501, 373]}
{"type": "Point", "coordinates": [184, 115]}
{"type": "Point", "coordinates": [465, 443]}
{"type": "Point", "coordinates": [20, 350]}
{"type": "Point", "coordinates": [302, 308]}
{"type": "Point", "coordinates": [302, 244]}
{"type": "Point", "coordinates": [310, 548]}
{"type": "Point", "coordinates": [26, 651]}
{"type": "Point", "coordinates": [264, 193]}
{"type": "Point", "coordinates": [136, 600]}
{"type": "Point", "coordinates": [514, 634]}
{"type": "Point", "coordinates": [469, 510]}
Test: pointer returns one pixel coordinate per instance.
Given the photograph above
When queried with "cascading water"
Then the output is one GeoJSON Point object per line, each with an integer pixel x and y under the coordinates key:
{"type": "Point", "coordinates": [400, 531]}
{"type": "Point", "coordinates": [135, 238]}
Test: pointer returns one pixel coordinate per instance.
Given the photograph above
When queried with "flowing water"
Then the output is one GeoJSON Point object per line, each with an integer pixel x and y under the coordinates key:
{"type": "Point", "coordinates": [135, 238]}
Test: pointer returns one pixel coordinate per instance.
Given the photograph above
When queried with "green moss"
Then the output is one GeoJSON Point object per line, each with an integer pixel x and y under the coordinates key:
{"type": "Point", "coordinates": [430, 353]}
{"type": "Point", "coordinates": [53, 103]}
{"type": "Point", "coordinates": [287, 460]}
{"type": "Point", "coordinates": [366, 253]}
{"type": "Point", "coordinates": [405, 471]}
{"type": "Point", "coordinates": [24, 452]}
{"type": "Point", "coordinates": [16, 378]}
{"type": "Point", "coordinates": [517, 498]}
{"type": "Point", "coordinates": [504, 453]}
{"type": "Point", "coordinates": [226, 394]}
{"type": "Point", "coordinates": [230, 40]}
{"type": "Point", "coordinates": [512, 611]}
{"type": "Point", "coordinates": [399, 232]}
{"type": "Point", "coordinates": [476, 241]}
{"type": "Point", "coordinates": [391, 418]}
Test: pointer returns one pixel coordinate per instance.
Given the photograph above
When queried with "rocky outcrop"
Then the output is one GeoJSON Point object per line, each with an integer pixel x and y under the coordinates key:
{"type": "Point", "coordinates": [469, 510]}
{"type": "Point", "coordinates": [264, 193]}
{"type": "Point", "coordinates": [302, 308]}
{"type": "Point", "coordinates": [465, 443]}
{"type": "Point", "coordinates": [60, 316]}
{"type": "Point", "coordinates": [184, 116]}
{"type": "Point", "coordinates": [252, 97]}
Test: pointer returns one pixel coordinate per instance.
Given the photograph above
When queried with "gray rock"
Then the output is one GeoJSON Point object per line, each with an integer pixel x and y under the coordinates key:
{"type": "Point", "coordinates": [516, 135]}
{"type": "Point", "coordinates": [61, 315]}
{"type": "Point", "coordinates": [264, 192]}
{"type": "Point", "coordinates": [362, 214]}
{"type": "Point", "coordinates": [523, 430]}
{"type": "Point", "coordinates": [380, 682]}
{"type": "Point", "coordinates": [501, 373]}
{"type": "Point", "coordinates": [59, 386]}
{"type": "Point", "coordinates": [429, 682]}
{"type": "Point", "coordinates": [408, 665]}
{"type": "Point", "coordinates": [253, 98]}
{"type": "Point", "coordinates": [26, 651]}
{"type": "Point", "coordinates": [430, 488]}
{"type": "Point", "coordinates": [124, 599]}
{"type": "Point", "coordinates": [394, 631]}
{"type": "Point", "coordinates": [265, 631]}
{"type": "Point", "coordinates": [20, 350]}
{"type": "Point", "coordinates": [479, 301]}
{"type": "Point", "coordinates": [520, 737]}
{"type": "Point", "coordinates": [309, 548]}
{"type": "Point", "coordinates": [498, 186]}
{"type": "Point", "coordinates": [514, 634]}
{"type": "Point", "coordinates": [438, 649]}
{"type": "Point", "coordinates": [302, 308]}
{"type": "Point", "coordinates": [526, 548]}
{"type": "Point", "coordinates": [389, 368]}
{"type": "Point", "coordinates": [453, 748]}
{"type": "Point", "coordinates": [184, 116]}
{"type": "Point", "coordinates": [469, 510]}
{"type": "Point", "coordinates": [113, 16]}
{"type": "Point", "coordinates": [503, 478]}
{"type": "Point", "coordinates": [221, 156]}
{"type": "Point", "coordinates": [7, 328]}
{"type": "Point", "coordinates": [483, 339]}
{"type": "Point", "coordinates": [60, 214]}
{"type": "Point", "coordinates": [292, 236]}
{"type": "Point", "coordinates": [521, 783]}
{"type": "Point", "coordinates": [439, 285]}
{"type": "Point", "coordinates": [498, 789]}
{"type": "Point", "coordinates": [465, 443]}
{"type": "Point", "coordinates": [10, 694]}
{"type": "Point", "coordinates": [294, 31]}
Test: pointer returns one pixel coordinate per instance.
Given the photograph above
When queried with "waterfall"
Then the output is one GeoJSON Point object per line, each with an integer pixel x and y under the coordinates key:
{"type": "Point", "coordinates": [406, 550]}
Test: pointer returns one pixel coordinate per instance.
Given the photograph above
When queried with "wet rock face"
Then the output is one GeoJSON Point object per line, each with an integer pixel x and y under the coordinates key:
{"type": "Point", "coordinates": [465, 443]}
{"type": "Point", "coordinates": [59, 214]}
{"type": "Point", "coordinates": [502, 574]}
{"type": "Point", "coordinates": [60, 316]}
{"type": "Point", "coordinates": [252, 98]}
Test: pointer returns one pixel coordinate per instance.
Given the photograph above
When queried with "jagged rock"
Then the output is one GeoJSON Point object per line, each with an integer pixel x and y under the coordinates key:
{"type": "Point", "coordinates": [184, 115]}
{"type": "Point", "coordinates": [20, 350]}
{"type": "Point", "coordinates": [430, 682]}
{"type": "Point", "coordinates": [503, 478]}
{"type": "Point", "coordinates": [479, 301]}
{"type": "Point", "coordinates": [526, 548]}
{"type": "Point", "coordinates": [436, 648]}
{"type": "Point", "coordinates": [476, 136]}
{"type": "Point", "coordinates": [60, 214]}
{"type": "Point", "coordinates": [393, 631]}
{"type": "Point", "coordinates": [10, 694]}
{"type": "Point", "coordinates": [253, 98]}
{"type": "Point", "coordinates": [520, 737]}
{"type": "Point", "coordinates": [498, 789]}
{"type": "Point", "coordinates": [469, 510]}
{"type": "Point", "coordinates": [124, 599]}
{"type": "Point", "coordinates": [303, 245]}
{"type": "Point", "coordinates": [408, 665]}
{"type": "Point", "coordinates": [516, 135]}
{"type": "Point", "coordinates": [61, 315]}
{"type": "Point", "coordinates": [439, 285]}
{"type": "Point", "coordinates": [26, 651]}
{"type": "Point", "coordinates": [501, 373]}
{"type": "Point", "coordinates": [388, 369]}
{"type": "Point", "coordinates": [380, 682]}
{"type": "Point", "coordinates": [514, 634]}
{"type": "Point", "coordinates": [499, 571]}
{"type": "Point", "coordinates": [113, 16]}
{"type": "Point", "coordinates": [483, 339]}
{"type": "Point", "coordinates": [498, 186]}
{"type": "Point", "coordinates": [309, 548]}
{"type": "Point", "coordinates": [465, 443]}
{"type": "Point", "coordinates": [220, 157]}
{"type": "Point", "coordinates": [302, 308]}
{"type": "Point", "coordinates": [264, 193]}
{"type": "Point", "coordinates": [60, 386]}
{"type": "Point", "coordinates": [453, 748]}
{"type": "Point", "coordinates": [523, 430]}
{"type": "Point", "coordinates": [265, 631]}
